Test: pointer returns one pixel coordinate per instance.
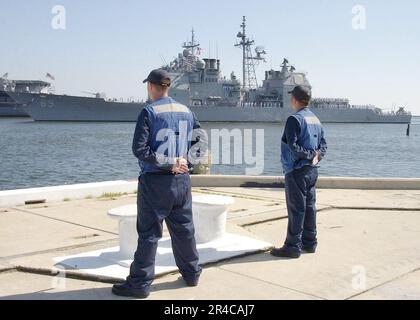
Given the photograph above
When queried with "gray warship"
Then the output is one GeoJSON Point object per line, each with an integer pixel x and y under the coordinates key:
{"type": "Point", "coordinates": [199, 84]}
{"type": "Point", "coordinates": [8, 106]}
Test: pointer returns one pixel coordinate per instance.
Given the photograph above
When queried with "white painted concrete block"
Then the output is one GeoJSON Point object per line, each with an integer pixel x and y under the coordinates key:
{"type": "Point", "coordinates": [210, 216]}
{"type": "Point", "coordinates": [127, 229]}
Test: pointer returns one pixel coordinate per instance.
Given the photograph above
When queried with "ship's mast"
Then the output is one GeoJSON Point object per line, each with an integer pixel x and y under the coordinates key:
{"type": "Point", "coordinates": [244, 44]}
{"type": "Point", "coordinates": [192, 44]}
{"type": "Point", "coordinates": [249, 77]}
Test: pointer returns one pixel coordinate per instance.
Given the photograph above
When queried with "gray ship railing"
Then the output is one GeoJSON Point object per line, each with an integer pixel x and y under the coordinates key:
{"type": "Point", "coordinates": [261, 104]}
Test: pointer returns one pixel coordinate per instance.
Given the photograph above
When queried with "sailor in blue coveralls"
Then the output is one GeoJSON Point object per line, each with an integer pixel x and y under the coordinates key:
{"type": "Point", "coordinates": [161, 143]}
{"type": "Point", "coordinates": [303, 146]}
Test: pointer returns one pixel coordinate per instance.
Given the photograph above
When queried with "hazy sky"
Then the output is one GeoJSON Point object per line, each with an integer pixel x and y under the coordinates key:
{"type": "Point", "coordinates": [109, 46]}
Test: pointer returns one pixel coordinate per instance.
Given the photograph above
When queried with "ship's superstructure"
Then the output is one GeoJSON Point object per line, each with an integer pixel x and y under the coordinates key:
{"type": "Point", "coordinates": [8, 106]}
{"type": "Point", "coordinates": [198, 82]}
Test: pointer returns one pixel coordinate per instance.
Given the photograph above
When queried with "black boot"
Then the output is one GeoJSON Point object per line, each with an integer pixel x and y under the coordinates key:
{"type": "Point", "coordinates": [193, 282]}
{"type": "Point", "coordinates": [125, 290]}
{"type": "Point", "coordinates": [285, 253]}
{"type": "Point", "coordinates": [309, 249]}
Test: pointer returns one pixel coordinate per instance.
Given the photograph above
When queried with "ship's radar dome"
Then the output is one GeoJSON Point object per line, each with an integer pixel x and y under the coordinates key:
{"type": "Point", "coordinates": [200, 64]}
{"type": "Point", "coordinates": [186, 53]}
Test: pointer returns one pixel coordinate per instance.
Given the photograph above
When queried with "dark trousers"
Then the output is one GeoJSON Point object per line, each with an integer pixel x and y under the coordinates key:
{"type": "Point", "coordinates": [164, 197]}
{"type": "Point", "coordinates": [301, 208]}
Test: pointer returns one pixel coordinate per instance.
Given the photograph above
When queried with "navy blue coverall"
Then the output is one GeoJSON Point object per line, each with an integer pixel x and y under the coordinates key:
{"type": "Point", "coordinates": [163, 132]}
{"type": "Point", "coordinates": [303, 136]}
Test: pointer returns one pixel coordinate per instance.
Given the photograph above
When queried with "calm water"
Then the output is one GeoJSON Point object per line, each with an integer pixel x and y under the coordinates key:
{"type": "Point", "coordinates": [42, 154]}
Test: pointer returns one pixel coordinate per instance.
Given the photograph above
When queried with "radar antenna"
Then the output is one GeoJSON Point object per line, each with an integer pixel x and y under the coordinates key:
{"type": "Point", "coordinates": [249, 62]}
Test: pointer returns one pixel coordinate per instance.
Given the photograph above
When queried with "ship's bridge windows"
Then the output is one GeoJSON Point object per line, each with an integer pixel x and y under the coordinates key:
{"type": "Point", "coordinates": [211, 80]}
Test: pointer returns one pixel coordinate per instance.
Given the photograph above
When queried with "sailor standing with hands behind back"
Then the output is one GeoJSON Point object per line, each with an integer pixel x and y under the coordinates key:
{"type": "Point", "coordinates": [161, 144]}
{"type": "Point", "coordinates": [303, 146]}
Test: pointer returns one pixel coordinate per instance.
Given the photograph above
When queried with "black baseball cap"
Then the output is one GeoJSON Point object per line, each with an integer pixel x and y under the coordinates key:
{"type": "Point", "coordinates": [301, 94]}
{"type": "Point", "coordinates": [160, 77]}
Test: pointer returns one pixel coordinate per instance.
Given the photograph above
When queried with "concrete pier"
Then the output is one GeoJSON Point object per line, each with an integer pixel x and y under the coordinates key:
{"type": "Point", "coordinates": [369, 235]}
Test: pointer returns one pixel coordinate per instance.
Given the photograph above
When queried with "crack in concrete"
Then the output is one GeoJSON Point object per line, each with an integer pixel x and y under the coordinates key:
{"type": "Point", "coordinates": [330, 208]}
{"type": "Point", "coordinates": [238, 195]}
{"type": "Point", "coordinates": [250, 224]}
{"type": "Point", "coordinates": [273, 284]}
{"type": "Point", "coordinates": [238, 217]}
{"type": "Point", "coordinates": [59, 249]}
{"type": "Point", "coordinates": [64, 221]}
{"type": "Point", "coordinates": [70, 274]}
{"type": "Point", "coordinates": [8, 270]}
{"type": "Point", "coordinates": [382, 284]}
{"type": "Point", "coordinates": [375, 208]}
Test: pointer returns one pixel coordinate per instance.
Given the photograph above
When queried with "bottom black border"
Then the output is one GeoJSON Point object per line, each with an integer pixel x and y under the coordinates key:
{"type": "Point", "coordinates": [210, 309]}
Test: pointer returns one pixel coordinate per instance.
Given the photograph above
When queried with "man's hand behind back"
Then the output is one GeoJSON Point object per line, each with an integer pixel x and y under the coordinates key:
{"type": "Point", "coordinates": [316, 159]}
{"type": "Point", "coordinates": [180, 166]}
